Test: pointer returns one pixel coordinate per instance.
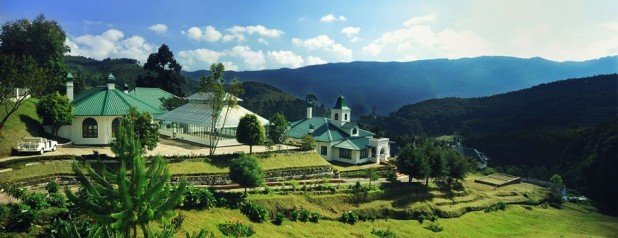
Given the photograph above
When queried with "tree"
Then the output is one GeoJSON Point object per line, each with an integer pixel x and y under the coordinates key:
{"type": "Point", "coordinates": [555, 189]}
{"type": "Point", "coordinates": [219, 102]}
{"type": "Point", "coordinates": [172, 103]}
{"type": "Point", "coordinates": [307, 143]}
{"type": "Point", "coordinates": [439, 163]}
{"type": "Point", "coordinates": [41, 40]}
{"type": "Point", "coordinates": [459, 165]}
{"type": "Point", "coordinates": [165, 72]}
{"type": "Point", "coordinates": [246, 172]}
{"type": "Point", "coordinates": [250, 131]}
{"type": "Point", "coordinates": [278, 129]}
{"type": "Point", "coordinates": [17, 72]}
{"type": "Point", "coordinates": [372, 175]}
{"type": "Point", "coordinates": [56, 110]}
{"type": "Point", "coordinates": [413, 162]}
{"type": "Point", "coordinates": [146, 132]}
{"type": "Point", "coordinates": [132, 196]}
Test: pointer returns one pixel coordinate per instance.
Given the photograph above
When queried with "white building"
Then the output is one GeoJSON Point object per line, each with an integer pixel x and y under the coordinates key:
{"type": "Point", "coordinates": [339, 139]}
{"type": "Point", "coordinates": [98, 112]}
{"type": "Point", "coordinates": [192, 121]}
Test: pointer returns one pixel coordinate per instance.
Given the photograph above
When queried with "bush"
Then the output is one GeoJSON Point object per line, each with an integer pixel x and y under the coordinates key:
{"type": "Point", "coordinates": [495, 207]}
{"type": "Point", "coordinates": [228, 199]}
{"type": "Point", "coordinates": [279, 218]}
{"type": "Point", "coordinates": [421, 218]}
{"type": "Point", "coordinates": [367, 216]}
{"type": "Point", "coordinates": [52, 187]}
{"type": "Point", "coordinates": [432, 217]}
{"type": "Point", "coordinates": [177, 221]}
{"type": "Point", "coordinates": [391, 177]}
{"type": "Point", "coordinates": [383, 233]}
{"type": "Point", "coordinates": [314, 216]}
{"type": "Point", "coordinates": [198, 198]}
{"type": "Point", "coordinates": [56, 200]}
{"type": "Point", "coordinates": [294, 214]}
{"type": "Point", "coordinates": [21, 218]}
{"type": "Point", "coordinates": [36, 201]}
{"type": "Point", "coordinates": [303, 215]}
{"type": "Point", "coordinates": [5, 214]}
{"type": "Point", "coordinates": [349, 217]}
{"type": "Point", "coordinates": [236, 229]}
{"type": "Point", "coordinates": [435, 227]}
{"type": "Point", "coordinates": [255, 212]}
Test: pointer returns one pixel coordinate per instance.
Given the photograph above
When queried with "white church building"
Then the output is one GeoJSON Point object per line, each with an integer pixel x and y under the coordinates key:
{"type": "Point", "coordinates": [339, 139]}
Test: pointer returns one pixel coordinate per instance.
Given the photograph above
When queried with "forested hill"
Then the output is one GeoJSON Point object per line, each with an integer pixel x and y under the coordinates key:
{"type": "Point", "coordinates": [561, 104]}
{"type": "Point", "coordinates": [389, 85]}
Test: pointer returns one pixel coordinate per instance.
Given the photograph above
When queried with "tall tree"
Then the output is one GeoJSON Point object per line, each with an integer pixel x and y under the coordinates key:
{"type": "Point", "coordinates": [41, 40]}
{"type": "Point", "coordinates": [246, 172]}
{"type": "Point", "coordinates": [413, 162]}
{"type": "Point", "coordinates": [131, 197]}
{"type": "Point", "coordinates": [165, 72]}
{"type": "Point", "coordinates": [439, 163]}
{"type": "Point", "coordinates": [219, 102]}
{"type": "Point", "coordinates": [459, 165]}
{"type": "Point", "coordinates": [17, 72]}
{"type": "Point", "coordinates": [278, 129]}
{"type": "Point", "coordinates": [146, 132]}
{"type": "Point", "coordinates": [250, 131]}
{"type": "Point", "coordinates": [56, 110]}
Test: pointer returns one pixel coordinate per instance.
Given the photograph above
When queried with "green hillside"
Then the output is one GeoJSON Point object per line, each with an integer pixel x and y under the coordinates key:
{"type": "Point", "coordinates": [24, 122]}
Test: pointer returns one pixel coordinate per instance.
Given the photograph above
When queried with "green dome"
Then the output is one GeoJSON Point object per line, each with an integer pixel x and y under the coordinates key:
{"type": "Point", "coordinates": [341, 103]}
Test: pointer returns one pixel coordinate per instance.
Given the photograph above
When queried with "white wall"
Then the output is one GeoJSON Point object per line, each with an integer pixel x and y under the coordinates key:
{"type": "Point", "coordinates": [74, 131]}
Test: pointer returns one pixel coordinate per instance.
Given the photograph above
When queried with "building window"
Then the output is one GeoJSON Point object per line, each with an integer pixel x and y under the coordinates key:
{"type": "Point", "coordinates": [115, 125]}
{"type": "Point", "coordinates": [90, 128]}
{"type": "Point", "coordinates": [354, 131]}
{"type": "Point", "coordinates": [346, 154]}
{"type": "Point", "coordinates": [324, 150]}
{"type": "Point", "coordinates": [364, 153]}
{"type": "Point", "coordinates": [345, 116]}
{"type": "Point", "coordinates": [336, 116]}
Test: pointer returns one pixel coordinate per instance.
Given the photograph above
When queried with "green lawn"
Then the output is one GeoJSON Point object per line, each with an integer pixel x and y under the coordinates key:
{"type": "Point", "coordinates": [515, 221]}
{"type": "Point", "coordinates": [24, 122]}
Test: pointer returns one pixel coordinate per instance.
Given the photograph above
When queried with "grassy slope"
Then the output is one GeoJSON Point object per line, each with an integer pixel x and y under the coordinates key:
{"type": "Point", "coordinates": [24, 122]}
{"type": "Point", "coordinates": [516, 221]}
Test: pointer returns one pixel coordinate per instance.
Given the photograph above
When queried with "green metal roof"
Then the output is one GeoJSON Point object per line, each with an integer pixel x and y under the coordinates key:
{"type": "Point", "coordinates": [324, 130]}
{"type": "Point", "coordinates": [151, 96]}
{"type": "Point", "coordinates": [358, 143]}
{"type": "Point", "coordinates": [101, 101]}
{"type": "Point", "coordinates": [341, 103]}
{"type": "Point", "coordinates": [69, 77]}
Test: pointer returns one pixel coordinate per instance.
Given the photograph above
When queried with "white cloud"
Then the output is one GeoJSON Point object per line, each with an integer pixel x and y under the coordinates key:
{"type": "Point", "coordinates": [351, 32]}
{"type": "Point", "coordinates": [332, 18]}
{"type": "Point", "coordinates": [325, 43]}
{"type": "Point", "coordinates": [203, 57]}
{"type": "Point", "coordinates": [312, 60]}
{"type": "Point", "coordinates": [110, 44]}
{"type": "Point", "coordinates": [285, 59]}
{"type": "Point", "coordinates": [238, 32]}
{"type": "Point", "coordinates": [208, 33]}
{"type": "Point", "coordinates": [251, 59]}
{"type": "Point", "coordinates": [612, 26]}
{"type": "Point", "coordinates": [263, 41]}
{"type": "Point", "coordinates": [158, 28]}
{"type": "Point", "coordinates": [419, 20]}
{"type": "Point", "coordinates": [230, 66]}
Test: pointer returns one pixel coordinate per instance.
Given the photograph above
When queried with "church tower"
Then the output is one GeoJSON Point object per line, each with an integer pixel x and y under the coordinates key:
{"type": "Point", "coordinates": [340, 113]}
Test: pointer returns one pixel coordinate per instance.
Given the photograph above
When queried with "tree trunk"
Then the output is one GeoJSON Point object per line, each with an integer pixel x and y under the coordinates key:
{"type": "Point", "coordinates": [134, 231]}
{"type": "Point", "coordinates": [250, 149]}
{"type": "Point", "coordinates": [245, 191]}
{"type": "Point", "coordinates": [409, 179]}
{"type": "Point", "coordinates": [427, 181]}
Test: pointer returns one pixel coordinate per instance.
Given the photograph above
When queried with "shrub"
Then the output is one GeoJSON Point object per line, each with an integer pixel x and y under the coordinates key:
{"type": "Point", "coordinates": [5, 214]}
{"type": "Point", "coordinates": [236, 229]}
{"type": "Point", "coordinates": [432, 217]}
{"type": "Point", "coordinates": [52, 187]}
{"type": "Point", "coordinates": [36, 201]}
{"type": "Point", "coordinates": [435, 227]}
{"type": "Point", "coordinates": [314, 216]}
{"type": "Point", "coordinates": [56, 200]}
{"type": "Point", "coordinates": [294, 214]}
{"type": "Point", "coordinates": [267, 190]}
{"type": "Point", "coordinates": [255, 212]}
{"type": "Point", "coordinates": [495, 207]}
{"type": "Point", "coordinates": [367, 216]}
{"type": "Point", "coordinates": [228, 199]}
{"type": "Point", "coordinates": [421, 218]}
{"type": "Point", "coordinates": [278, 219]}
{"type": "Point", "coordinates": [177, 221]}
{"type": "Point", "coordinates": [21, 218]}
{"type": "Point", "coordinates": [383, 233]}
{"type": "Point", "coordinates": [349, 217]}
{"type": "Point", "coordinates": [303, 215]}
{"type": "Point", "coordinates": [391, 177]}
{"type": "Point", "coordinates": [198, 198]}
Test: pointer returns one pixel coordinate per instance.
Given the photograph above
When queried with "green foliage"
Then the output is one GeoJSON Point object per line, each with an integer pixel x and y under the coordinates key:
{"type": "Point", "coordinates": [555, 190]}
{"type": "Point", "coordinates": [236, 229]}
{"type": "Point", "coordinates": [303, 215]}
{"type": "Point", "coordinates": [250, 131]}
{"type": "Point", "coordinates": [177, 221]}
{"type": "Point", "coordinates": [496, 207]}
{"type": "Point", "coordinates": [5, 214]}
{"type": "Point", "coordinates": [198, 198]}
{"type": "Point", "coordinates": [434, 226]}
{"type": "Point", "coordinates": [56, 200]}
{"type": "Point", "coordinates": [132, 196]}
{"type": "Point", "coordinates": [383, 233]}
{"type": "Point", "coordinates": [17, 71]}
{"type": "Point", "coordinates": [314, 216]}
{"type": "Point", "coordinates": [279, 218]}
{"type": "Point", "coordinates": [255, 212]}
{"type": "Point", "coordinates": [172, 103]}
{"type": "Point", "coordinates": [22, 217]}
{"type": "Point", "coordinates": [278, 129]}
{"type": "Point", "coordinates": [414, 161]}
{"type": "Point", "coordinates": [43, 41]}
{"type": "Point", "coordinates": [307, 143]}
{"type": "Point", "coordinates": [294, 184]}
{"type": "Point", "coordinates": [164, 72]}
{"type": "Point", "coordinates": [372, 175]}
{"type": "Point", "coordinates": [52, 187]}
{"type": "Point", "coordinates": [36, 201]}
{"type": "Point", "coordinates": [56, 111]}
{"type": "Point", "coordinates": [144, 130]}
{"type": "Point", "coordinates": [349, 217]}
{"type": "Point", "coordinates": [391, 176]}
{"type": "Point", "coordinates": [246, 172]}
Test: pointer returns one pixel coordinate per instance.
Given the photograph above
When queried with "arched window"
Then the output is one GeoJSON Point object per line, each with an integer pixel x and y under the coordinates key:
{"type": "Point", "coordinates": [336, 116]}
{"type": "Point", "coordinates": [115, 125]}
{"type": "Point", "coordinates": [90, 128]}
{"type": "Point", "coordinates": [354, 131]}
{"type": "Point", "coordinates": [345, 116]}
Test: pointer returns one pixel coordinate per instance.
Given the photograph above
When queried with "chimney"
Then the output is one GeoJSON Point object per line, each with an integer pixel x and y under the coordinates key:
{"type": "Point", "coordinates": [111, 82]}
{"type": "Point", "coordinates": [311, 128]}
{"type": "Point", "coordinates": [70, 87]}
{"type": "Point", "coordinates": [309, 111]}
{"type": "Point", "coordinates": [126, 88]}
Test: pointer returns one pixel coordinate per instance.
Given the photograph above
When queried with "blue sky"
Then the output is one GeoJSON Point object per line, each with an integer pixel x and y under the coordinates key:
{"type": "Point", "coordinates": [251, 35]}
